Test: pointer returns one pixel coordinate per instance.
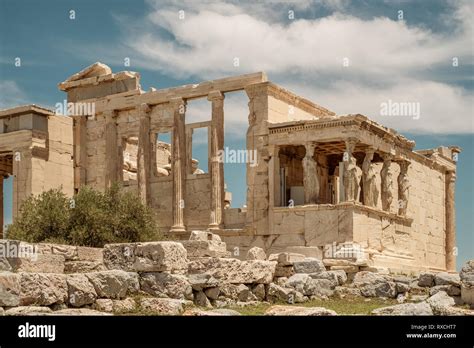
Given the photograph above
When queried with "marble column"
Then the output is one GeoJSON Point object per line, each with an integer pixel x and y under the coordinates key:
{"type": "Point", "coordinates": [310, 176]}
{"type": "Point", "coordinates": [217, 166]}
{"type": "Point", "coordinates": [350, 174]}
{"type": "Point", "coordinates": [111, 148]}
{"type": "Point", "coordinates": [450, 222]}
{"type": "Point", "coordinates": [369, 185]}
{"type": "Point", "coordinates": [144, 154]}
{"type": "Point", "coordinates": [386, 182]}
{"type": "Point", "coordinates": [403, 188]}
{"type": "Point", "coordinates": [178, 167]}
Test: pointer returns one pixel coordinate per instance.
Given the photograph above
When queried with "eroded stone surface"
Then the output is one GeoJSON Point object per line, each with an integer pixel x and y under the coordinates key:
{"type": "Point", "coordinates": [420, 308]}
{"type": "Point", "coordinates": [42, 289]}
{"type": "Point", "coordinates": [235, 271]}
{"type": "Point", "coordinates": [299, 311]}
{"type": "Point", "coordinates": [146, 257]}
{"type": "Point", "coordinates": [114, 284]}
{"type": "Point", "coordinates": [9, 289]}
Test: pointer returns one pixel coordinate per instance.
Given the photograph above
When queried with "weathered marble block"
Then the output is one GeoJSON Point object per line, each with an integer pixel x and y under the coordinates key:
{"type": "Point", "coordinates": [208, 248]}
{"type": "Point", "coordinates": [146, 257]}
{"type": "Point", "coordinates": [234, 271]}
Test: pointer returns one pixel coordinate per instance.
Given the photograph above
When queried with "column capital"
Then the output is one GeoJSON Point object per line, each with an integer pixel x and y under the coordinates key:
{"type": "Point", "coordinates": [451, 176]}
{"type": "Point", "coordinates": [350, 143]}
{"type": "Point", "coordinates": [144, 109]}
{"type": "Point", "coordinates": [310, 147]}
{"type": "Point", "coordinates": [110, 114]}
{"type": "Point", "coordinates": [177, 101]}
{"type": "Point", "coordinates": [386, 156]}
{"type": "Point", "coordinates": [404, 164]}
{"type": "Point", "coordinates": [215, 95]}
{"type": "Point", "coordinates": [370, 150]}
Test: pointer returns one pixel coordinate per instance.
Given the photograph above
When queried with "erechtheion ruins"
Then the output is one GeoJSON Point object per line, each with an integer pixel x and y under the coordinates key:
{"type": "Point", "coordinates": [321, 181]}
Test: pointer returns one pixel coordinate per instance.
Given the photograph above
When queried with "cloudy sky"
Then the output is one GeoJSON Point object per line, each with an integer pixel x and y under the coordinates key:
{"type": "Point", "coordinates": [348, 56]}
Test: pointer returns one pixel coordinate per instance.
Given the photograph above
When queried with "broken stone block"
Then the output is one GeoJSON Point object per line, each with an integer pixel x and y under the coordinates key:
{"type": "Point", "coordinates": [9, 289]}
{"type": "Point", "coordinates": [78, 312]}
{"type": "Point", "coordinates": [202, 281]}
{"type": "Point", "coordinates": [309, 265]}
{"type": "Point", "coordinates": [402, 287]}
{"type": "Point", "coordinates": [337, 262]}
{"type": "Point", "coordinates": [444, 278]}
{"type": "Point", "coordinates": [40, 263]}
{"type": "Point", "coordinates": [162, 306]}
{"type": "Point", "coordinates": [146, 257]}
{"type": "Point", "coordinates": [467, 283]}
{"type": "Point", "coordinates": [421, 308]}
{"type": "Point", "coordinates": [319, 287]}
{"type": "Point", "coordinates": [286, 259]}
{"type": "Point", "coordinates": [83, 266]}
{"type": "Point", "coordinates": [284, 271]}
{"type": "Point", "coordinates": [299, 311]}
{"type": "Point", "coordinates": [201, 300]}
{"type": "Point", "coordinates": [80, 291]}
{"type": "Point", "coordinates": [212, 293]}
{"type": "Point", "coordinates": [114, 284]}
{"type": "Point", "coordinates": [28, 310]}
{"type": "Point", "coordinates": [451, 290]}
{"type": "Point", "coordinates": [441, 303]}
{"type": "Point", "coordinates": [42, 289]}
{"type": "Point", "coordinates": [426, 279]}
{"type": "Point", "coordinates": [207, 248]}
{"type": "Point", "coordinates": [234, 271]}
{"type": "Point", "coordinates": [89, 254]}
{"type": "Point", "coordinates": [214, 312]}
{"type": "Point", "coordinates": [346, 269]}
{"type": "Point", "coordinates": [276, 293]}
{"type": "Point", "coordinates": [256, 253]}
{"type": "Point", "coordinates": [166, 285]}
{"type": "Point", "coordinates": [204, 236]}
{"type": "Point", "coordinates": [374, 285]}
{"type": "Point", "coordinates": [259, 292]}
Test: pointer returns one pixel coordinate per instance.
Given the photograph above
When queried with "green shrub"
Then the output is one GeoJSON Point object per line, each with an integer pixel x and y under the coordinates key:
{"type": "Point", "coordinates": [43, 218]}
{"type": "Point", "coordinates": [91, 218]}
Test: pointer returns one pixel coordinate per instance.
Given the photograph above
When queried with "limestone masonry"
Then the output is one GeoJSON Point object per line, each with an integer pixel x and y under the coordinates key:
{"type": "Point", "coordinates": [172, 278]}
{"type": "Point", "coordinates": [323, 186]}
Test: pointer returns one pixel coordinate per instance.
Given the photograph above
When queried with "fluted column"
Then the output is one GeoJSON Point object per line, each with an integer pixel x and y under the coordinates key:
{"type": "Point", "coordinates": [310, 176]}
{"type": "Point", "coordinates": [217, 167]}
{"type": "Point", "coordinates": [450, 222]}
{"type": "Point", "coordinates": [178, 168]}
{"type": "Point", "coordinates": [144, 154]}
{"type": "Point", "coordinates": [111, 148]}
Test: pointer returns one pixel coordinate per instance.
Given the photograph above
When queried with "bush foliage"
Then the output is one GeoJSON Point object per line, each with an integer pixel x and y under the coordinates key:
{"type": "Point", "coordinates": [90, 218]}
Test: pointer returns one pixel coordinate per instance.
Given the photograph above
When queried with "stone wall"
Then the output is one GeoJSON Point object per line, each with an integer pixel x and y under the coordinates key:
{"type": "Point", "coordinates": [174, 278]}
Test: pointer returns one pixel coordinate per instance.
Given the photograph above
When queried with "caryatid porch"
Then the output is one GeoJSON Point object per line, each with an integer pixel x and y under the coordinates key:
{"type": "Point", "coordinates": [350, 178]}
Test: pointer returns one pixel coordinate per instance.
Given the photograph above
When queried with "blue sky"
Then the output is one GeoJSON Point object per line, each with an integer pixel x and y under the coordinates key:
{"type": "Point", "coordinates": [390, 58]}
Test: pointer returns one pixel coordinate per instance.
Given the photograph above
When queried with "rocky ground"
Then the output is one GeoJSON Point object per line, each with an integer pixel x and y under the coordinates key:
{"type": "Point", "coordinates": [197, 277]}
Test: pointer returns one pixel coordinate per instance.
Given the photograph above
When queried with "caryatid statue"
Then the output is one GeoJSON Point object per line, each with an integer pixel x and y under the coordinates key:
{"type": "Point", "coordinates": [386, 182]}
{"type": "Point", "coordinates": [369, 183]}
{"type": "Point", "coordinates": [310, 178]}
{"type": "Point", "coordinates": [403, 188]}
{"type": "Point", "coordinates": [351, 180]}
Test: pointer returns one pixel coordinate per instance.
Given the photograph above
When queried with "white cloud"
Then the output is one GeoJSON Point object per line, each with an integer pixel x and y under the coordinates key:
{"type": "Point", "coordinates": [443, 109]}
{"type": "Point", "coordinates": [306, 55]}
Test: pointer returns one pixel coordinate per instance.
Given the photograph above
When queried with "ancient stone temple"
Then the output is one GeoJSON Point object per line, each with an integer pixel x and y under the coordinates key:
{"type": "Point", "coordinates": [323, 184]}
